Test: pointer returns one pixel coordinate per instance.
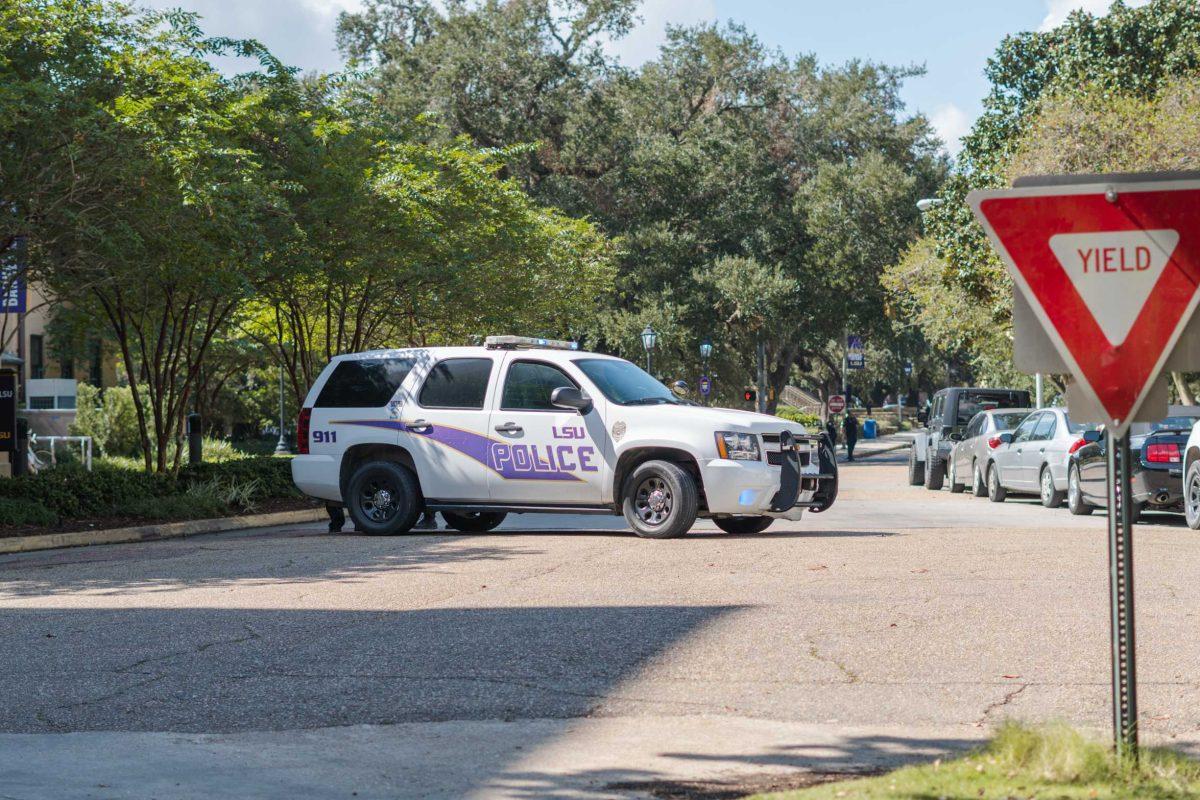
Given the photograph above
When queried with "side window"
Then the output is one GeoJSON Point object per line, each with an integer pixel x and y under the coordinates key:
{"type": "Point", "coordinates": [528, 386]}
{"type": "Point", "coordinates": [364, 383]}
{"type": "Point", "coordinates": [456, 383]}
{"type": "Point", "coordinates": [976, 426]}
{"type": "Point", "coordinates": [1024, 431]}
{"type": "Point", "coordinates": [1045, 428]}
{"type": "Point", "coordinates": [935, 415]}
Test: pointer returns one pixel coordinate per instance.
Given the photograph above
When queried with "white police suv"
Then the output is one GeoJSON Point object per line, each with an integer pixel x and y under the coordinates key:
{"type": "Point", "coordinates": [529, 425]}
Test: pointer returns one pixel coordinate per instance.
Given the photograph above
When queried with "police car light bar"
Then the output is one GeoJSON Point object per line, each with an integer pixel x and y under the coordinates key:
{"type": "Point", "coordinates": [527, 342]}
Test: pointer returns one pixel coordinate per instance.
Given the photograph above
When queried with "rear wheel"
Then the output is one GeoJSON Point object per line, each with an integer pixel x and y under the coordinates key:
{"type": "Point", "coordinates": [1051, 497]}
{"type": "Point", "coordinates": [916, 469]}
{"type": "Point", "coordinates": [935, 472]}
{"type": "Point", "coordinates": [383, 498]}
{"type": "Point", "coordinates": [978, 484]}
{"type": "Point", "coordinates": [1191, 497]}
{"type": "Point", "coordinates": [996, 492]}
{"type": "Point", "coordinates": [473, 521]}
{"type": "Point", "coordinates": [1075, 502]}
{"type": "Point", "coordinates": [660, 500]}
{"type": "Point", "coordinates": [744, 524]}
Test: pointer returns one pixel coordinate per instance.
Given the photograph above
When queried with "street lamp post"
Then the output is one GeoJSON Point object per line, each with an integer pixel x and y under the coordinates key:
{"type": "Point", "coordinates": [649, 341]}
{"type": "Point", "coordinates": [281, 447]}
{"type": "Point", "coordinates": [706, 348]}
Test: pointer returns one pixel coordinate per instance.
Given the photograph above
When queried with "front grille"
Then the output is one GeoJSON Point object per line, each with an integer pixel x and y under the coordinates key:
{"type": "Point", "coordinates": [776, 458]}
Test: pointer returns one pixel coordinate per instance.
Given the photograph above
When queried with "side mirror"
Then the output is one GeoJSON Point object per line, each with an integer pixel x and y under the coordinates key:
{"type": "Point", "coordinates": [1092, 437]}
{"type": "Point", "coordinates": [572, 398]}
{"type": "Point", "coordinates": [1006, 437]}
{"type": "Point", "coordinates": [955, 437]}
{"type": "Point", "coordinates": [680, 389]}
{"type": "Point", "coordinates": [922, 416]}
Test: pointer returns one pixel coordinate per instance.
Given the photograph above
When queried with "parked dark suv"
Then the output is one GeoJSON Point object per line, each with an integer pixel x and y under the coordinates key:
{"type": "Point", "coordinates": [948, 415]}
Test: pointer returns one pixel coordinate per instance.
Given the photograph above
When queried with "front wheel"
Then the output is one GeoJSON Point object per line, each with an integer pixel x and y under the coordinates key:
{"type": "Point", "coordinates": [744, 524]}
{"type": "Point", "coordinates": [1051, 497]}
{"type": "Point", "coordinates": [1191, 497]}
{"type": "Point", "coordinates": [916, 469]}
{"type": "Point", "coordinates": [383, 498]}
{"type": "Point", "coordinates": [978, 484]}
{"type": "Point", "coordinates": [1075, 502]}
{"type": "Point", "coordinates": [955, 486]}
{"type": "Point", "coordinates": [473, 521]}
{"type": "Point", "coordinates": [660, 500]}
{"type": "Point", "coordinates": [996, 492]}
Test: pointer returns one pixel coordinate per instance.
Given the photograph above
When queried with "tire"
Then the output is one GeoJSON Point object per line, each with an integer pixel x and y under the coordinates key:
{"type": "Point", "coordinates": [660, 500]}
{"type": "Point", "coordinates": [996, 492]}
{"type": "Point", "coordinates": [916, 469]}
{"type": "Point", "coordinates": [978, 484]}
{"type": "Point", "coordinates": [955, 486]}
{"type": "Point", "coordinates": [744, 524]}
{"type": "Point", "coordinates": [1075, 502]}
{"type": "Point", "coordinates": [1191, 497]}
{"type": "Point", "coordinates": [935, 473]}
{"type": "Point", "coordinates": [387, 514]}
{"type": "Point", "coordinates": [1051, 497]}
{"type": "Point", "coordinates": [473, 521]}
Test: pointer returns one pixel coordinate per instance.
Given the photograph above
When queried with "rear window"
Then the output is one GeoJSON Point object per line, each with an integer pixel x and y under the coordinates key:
{"type": "Point", "coordinates": [457, 383]}
{"type": "Point", "coordinates": [1174, 424]}
{"type": "Point", "coordinates": [364, 383]}
{"type": "Point", "coordinates": [971, 403]}
{"type": "Point", "coordinates": [1009, 421]}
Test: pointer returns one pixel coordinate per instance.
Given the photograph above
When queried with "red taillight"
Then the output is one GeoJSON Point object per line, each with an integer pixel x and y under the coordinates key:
{"type": "Point", "coordinates": [1078, 444]}
{"type": "Point", "coordinates": [1162, 453]}
{"type": "Point", "coordinates": [995, 442]}
{"type": "Point", "coordinates": [302, 431]}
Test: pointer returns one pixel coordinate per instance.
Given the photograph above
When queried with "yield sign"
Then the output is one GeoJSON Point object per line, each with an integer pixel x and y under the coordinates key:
{"type": "Point", "coordinates": [1111, 270]}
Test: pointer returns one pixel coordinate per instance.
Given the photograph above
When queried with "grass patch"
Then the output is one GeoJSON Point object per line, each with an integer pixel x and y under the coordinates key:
{"type": "Point", "coordinates": [1048, 762]}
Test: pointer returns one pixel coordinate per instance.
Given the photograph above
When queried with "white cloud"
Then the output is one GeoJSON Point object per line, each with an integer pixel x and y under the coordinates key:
{"type": "Point", "coordinates": [951, 124]}
{"type": "Point", "coordinates": [642, 43]}
{"type": "Point", "coordinates": [299, 32]}
{"type": "Point", "coordinates": [1057, 10]}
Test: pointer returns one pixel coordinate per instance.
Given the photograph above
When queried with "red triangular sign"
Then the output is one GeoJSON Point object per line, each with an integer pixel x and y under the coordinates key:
{"type": "Point", "coordinates": [1112, 271]}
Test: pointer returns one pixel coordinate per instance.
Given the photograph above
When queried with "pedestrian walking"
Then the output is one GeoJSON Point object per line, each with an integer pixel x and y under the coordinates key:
{"type": "Point", "coordinates": [850, 431]}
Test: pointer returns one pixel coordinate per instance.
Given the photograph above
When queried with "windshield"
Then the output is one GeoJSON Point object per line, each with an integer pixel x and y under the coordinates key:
{"type": "Point", "coordinates": [624, 383]}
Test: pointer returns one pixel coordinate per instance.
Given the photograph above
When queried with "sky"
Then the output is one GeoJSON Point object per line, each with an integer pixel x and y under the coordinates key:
{"type": "Point", "coordinates": [952, 39]}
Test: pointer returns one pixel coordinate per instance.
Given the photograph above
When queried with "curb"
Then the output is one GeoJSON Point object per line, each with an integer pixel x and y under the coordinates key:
{"type": "Point", "coordinates": [889, 449]}
{"type": "Point", "coordinates": [148, 533]}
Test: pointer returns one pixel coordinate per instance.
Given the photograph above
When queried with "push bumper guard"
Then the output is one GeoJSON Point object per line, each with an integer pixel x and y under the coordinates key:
{"type": "Point", "coordinates": [793, 482]}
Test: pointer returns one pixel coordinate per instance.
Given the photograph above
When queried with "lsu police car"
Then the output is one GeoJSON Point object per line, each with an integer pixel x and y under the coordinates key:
{"type": "Point", "coordinates": [528, 425]}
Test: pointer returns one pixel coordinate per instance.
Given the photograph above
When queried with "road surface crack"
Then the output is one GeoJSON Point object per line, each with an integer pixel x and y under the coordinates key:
{"type": "Point", "coordinates": [251, 635]}
{"type": "Point", "coordinates": [1008, 698]}
{"type": "Point", "coordinates": [817, 655]}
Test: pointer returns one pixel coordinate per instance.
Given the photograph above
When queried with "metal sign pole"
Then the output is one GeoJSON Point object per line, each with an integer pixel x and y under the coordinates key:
{"type": "Point", "coordinates": [1120, 559]}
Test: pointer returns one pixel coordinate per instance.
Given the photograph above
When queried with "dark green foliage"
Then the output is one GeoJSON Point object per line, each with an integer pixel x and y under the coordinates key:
{"type": "Point", "coordinates": [200, 490]}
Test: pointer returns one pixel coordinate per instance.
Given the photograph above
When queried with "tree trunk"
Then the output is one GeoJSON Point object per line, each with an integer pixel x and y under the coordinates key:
{"type": "Point", "coordinates": [1182, 389]}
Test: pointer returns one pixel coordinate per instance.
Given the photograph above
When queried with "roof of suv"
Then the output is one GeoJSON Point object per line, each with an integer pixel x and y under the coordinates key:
{"type": "Point", "coordinates": [470, 351]}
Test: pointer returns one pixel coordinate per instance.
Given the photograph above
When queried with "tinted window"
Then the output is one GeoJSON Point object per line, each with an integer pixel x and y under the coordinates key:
{"type": "Point", "coordinates": [1174, 424]}
{"type": "Point", "coordinates": [364, 383]}
{"type": "Point", "coordinates": [971, 403]}
{"type": "Point", "coordinates": [529, 384]}
{"type": "Point", "coordinates": [1025, 431]}
{"type": "Point", "coordinates": [457, 383]}
{"type": "Point", "coordinates": [625, 383]}
{"type": "Point", "coordinates": [1045, 427]}
{"type": "Point", "coordinates": [975, 427]}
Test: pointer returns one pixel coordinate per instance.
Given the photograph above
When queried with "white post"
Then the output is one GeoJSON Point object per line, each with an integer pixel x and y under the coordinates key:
{"type": "Point", "coordinates": [1038, 384]}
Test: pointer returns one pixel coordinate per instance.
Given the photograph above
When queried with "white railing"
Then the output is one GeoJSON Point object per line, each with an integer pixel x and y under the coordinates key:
{"type": "Point", "coordinates": [40, 459]}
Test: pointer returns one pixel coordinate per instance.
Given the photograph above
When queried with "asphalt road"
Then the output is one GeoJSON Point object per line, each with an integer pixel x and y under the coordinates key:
{"type": "Point", "coordinates": [565, 657]}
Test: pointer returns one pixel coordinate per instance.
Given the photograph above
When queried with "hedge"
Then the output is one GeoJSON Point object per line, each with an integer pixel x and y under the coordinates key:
{"type": "Point", "coordinates": [199, 490]}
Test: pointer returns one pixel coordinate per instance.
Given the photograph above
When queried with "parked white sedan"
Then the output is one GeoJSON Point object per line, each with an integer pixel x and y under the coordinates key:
{"type": "Point", "coordinates": [1033, 458]}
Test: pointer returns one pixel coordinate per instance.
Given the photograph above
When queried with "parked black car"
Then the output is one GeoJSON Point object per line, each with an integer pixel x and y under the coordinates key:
{"type": "Point", "coordinates": [1157, 466]}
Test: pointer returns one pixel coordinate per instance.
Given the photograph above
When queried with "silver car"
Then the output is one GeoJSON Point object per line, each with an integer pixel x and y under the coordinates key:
{"type": "Point", "coordinates": [971, 455]}
{"type": "Point", "coordinates": [1033, 458]}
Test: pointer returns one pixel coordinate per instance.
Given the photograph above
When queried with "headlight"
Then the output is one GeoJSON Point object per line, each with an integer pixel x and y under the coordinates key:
{"type": "Point", "coordinates": [738, 446]}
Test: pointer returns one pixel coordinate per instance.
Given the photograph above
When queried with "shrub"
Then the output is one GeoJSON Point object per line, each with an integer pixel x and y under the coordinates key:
{"type": "Point", "coordinates": [25, 512]}
{"type": "Point", "coordinates": [809, 421]}
{"type": "Point", "coordinates": [109, 418]}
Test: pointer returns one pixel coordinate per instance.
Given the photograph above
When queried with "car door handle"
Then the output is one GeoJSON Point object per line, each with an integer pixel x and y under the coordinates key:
{"type": "Point", "coordinates": [509, 427]}
{"type": "Point", "coordinates": [1041, 449]}
{"type": "Point", "coordinates": [418, 426]}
